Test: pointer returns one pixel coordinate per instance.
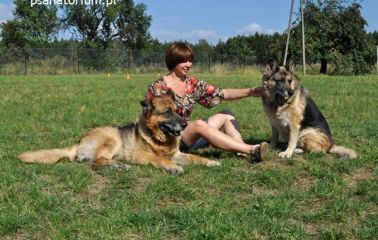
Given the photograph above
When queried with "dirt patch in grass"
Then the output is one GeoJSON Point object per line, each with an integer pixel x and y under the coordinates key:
{"type": "Point", "coordinates": [19, 235]}
{"type": "Point", "coordinates": [357, 176]}
{"type": "Point", "coordinates": [22, 234]}
{"type": "Point", "coordinates": [311, 228]}
{"type": "Point", "coordinates": [274, 161]}
{"type": "Point", "coordinates": [52, 186]}
{"type": "Point", "coordinates": [244, 198]}
{"type": "Point", "coordinates": [304, 184]}
{"type": "Point", "coordinates": [168, 202]}
{"type": "Point", "coordinates": [313, 205]}
{"type": "Point", "coordinates": [257, 190]}
{"type": "Point", "coordinates": [314, 229]}
{"type": "Point", "coordinates": [49, 180]}
{"type": "Point", "coordinates": [97, 186]}
{"type": "Point", "coordinates": [141, 185]}
{"type": "Point", "coordinates": [132, 236]}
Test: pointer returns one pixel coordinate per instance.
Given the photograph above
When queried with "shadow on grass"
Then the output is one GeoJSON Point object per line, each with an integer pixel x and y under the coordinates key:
{"type": "Point", "coordinates": [209, 152]}
{"type": "Point", "coordinates": [281, 145]}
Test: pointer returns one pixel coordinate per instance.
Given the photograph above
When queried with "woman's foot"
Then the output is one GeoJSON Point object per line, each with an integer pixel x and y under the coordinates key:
{"type": "Point", "coordinates": [258, 153]}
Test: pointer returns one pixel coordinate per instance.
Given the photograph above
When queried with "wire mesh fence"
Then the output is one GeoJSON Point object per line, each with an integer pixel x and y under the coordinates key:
{"type": "Point", "coordinates": [87, 60]}
{"type": "Point", "coordinates": [34, 61]}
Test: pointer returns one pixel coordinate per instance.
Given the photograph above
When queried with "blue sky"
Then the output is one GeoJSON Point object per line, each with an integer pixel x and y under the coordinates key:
{"type": "Point", "coordinates": [216, 20]}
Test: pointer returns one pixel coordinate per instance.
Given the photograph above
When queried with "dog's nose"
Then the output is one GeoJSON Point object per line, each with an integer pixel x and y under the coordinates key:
{"type": "Point", "coordinates": [184, 124]}
{"type": "Point", "coordinates": [291, 92]}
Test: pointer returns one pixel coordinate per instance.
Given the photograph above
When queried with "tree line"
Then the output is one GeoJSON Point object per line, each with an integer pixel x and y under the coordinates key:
{"type": "Point", "coordinates": [335, 33]}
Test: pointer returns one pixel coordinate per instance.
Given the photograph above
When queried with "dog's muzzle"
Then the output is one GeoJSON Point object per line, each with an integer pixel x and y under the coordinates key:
{"type": "Point", "coordinates": [282, 97]}
{"type": "Point", "coordinates": [173, 127]}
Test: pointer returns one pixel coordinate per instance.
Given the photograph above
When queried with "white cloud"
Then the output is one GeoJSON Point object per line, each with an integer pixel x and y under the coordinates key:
{"type": "Point", "coordinates": [192, 36]}
{"type": "Point", "coordinates": [204, 34]}
{"type": "Point", "coordinates": [270, 31]}
{"type": "Point", "coordinates": [5, 12]}
{"type": "Point", "coordinates": [253, 28]}
{"type": "Point", "coordinates": [165, 35]}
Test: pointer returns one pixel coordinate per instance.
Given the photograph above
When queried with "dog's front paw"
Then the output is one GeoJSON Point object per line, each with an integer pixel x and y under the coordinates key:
{"type": "Point", "coordinates": [286, 154]}
{"type": "Point", "coordinates": [176, 170]}
{"type": "Point", "coordinates": [84, 158]}
{"type": "Point", "coordinates": [121, 166]}
{"type": "Point", "coordinates": [213, 163]}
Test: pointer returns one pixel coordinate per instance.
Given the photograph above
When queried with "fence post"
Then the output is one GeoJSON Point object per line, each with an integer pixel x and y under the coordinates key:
{"type": "Point", "coordinates": [209, 63]}
{"type": "Point", "coordinates": [73, 60]}
{"type": "Point", "coordinates": [25, 64]}
{"type": "Point", "coordinates": [129, 60]}
{"type": "Point", "coordinates": [244, 63]}
{"type": "Point", "coordinates": [78, 60]}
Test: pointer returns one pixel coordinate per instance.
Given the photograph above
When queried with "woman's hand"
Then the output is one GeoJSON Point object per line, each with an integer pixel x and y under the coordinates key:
{"type": "Point", "coordinates": [235, 93]}
{"type": "Point", "coordinates": [256, 91]}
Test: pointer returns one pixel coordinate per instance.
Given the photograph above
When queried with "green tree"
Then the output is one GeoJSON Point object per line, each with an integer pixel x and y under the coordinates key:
{"type": "Point", "coordinates": [203, 51]}
{"type": "Point", "coordinates": [266, 46]}
{"type": "Point", "coordinates": [99, 25]}
{"type": "Point", "coordinates": [255, 49]}
{"type": "Point", "coordinates": [373, 37]}
{"type": "Point", "coordinates": [335, 32]}
{"type": "Point", "coordinates": [31, 26]}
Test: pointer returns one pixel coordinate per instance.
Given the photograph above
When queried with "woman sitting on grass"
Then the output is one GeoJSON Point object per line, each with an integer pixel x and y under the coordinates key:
{"type": "Point", "coordinates": [189, 90]}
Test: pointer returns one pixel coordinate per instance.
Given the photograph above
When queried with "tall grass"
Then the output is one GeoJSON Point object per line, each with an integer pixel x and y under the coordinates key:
{"type": "Point", "coordinates": [313, 196]}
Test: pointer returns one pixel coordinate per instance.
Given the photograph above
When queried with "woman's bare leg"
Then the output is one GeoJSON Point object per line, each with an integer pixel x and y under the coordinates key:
{"type": "Point", "coordinates": [226, 122]}
{"type": "Point", "coordinates": [212, 135]}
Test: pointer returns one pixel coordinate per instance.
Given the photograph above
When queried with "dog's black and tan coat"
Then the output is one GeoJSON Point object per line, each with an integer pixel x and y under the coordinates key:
{"type": "Point", "coordinates": [294, 116]}
{"type": "Point", "coordinates": [153, 139]}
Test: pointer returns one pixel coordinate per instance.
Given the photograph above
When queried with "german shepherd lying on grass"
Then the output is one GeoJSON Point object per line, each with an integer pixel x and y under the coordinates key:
{"type": "Point", "coordinates": [294, 116]}
{"type": "Point", "coordinates": [154, 139]}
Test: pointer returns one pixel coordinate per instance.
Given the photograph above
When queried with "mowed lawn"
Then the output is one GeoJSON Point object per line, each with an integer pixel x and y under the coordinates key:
{"type": "Point", "coordinates": [311, 196]}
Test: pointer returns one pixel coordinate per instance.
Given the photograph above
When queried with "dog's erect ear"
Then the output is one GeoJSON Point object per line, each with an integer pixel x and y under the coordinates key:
{"type": "Point", "coordinates": [270, 68]}
{"type": "Point", "coordinates": [146, 104]}
{"type": "Point", "coordinates": [158, 90]}
{"type": "Point", "coordinates": [289, 66]}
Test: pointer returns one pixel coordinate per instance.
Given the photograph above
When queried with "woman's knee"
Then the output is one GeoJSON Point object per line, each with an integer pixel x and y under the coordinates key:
{"type": "Point", "coordinates": [226, 115]}
{"type": "Point", "coordinates": [195, 130]}
{"type": "Point", "coordinates": [224, 118]}
{"type": "Point", "coordinates": [229, 117]}
{"type": "Point", "coordinates": [199, 124]}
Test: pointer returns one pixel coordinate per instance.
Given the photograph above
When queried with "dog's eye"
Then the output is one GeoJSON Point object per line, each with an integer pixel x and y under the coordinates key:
{"type": "Point", "coordinates": [290, 81]}
{"type": "Point", "coordinates": [168, 111]}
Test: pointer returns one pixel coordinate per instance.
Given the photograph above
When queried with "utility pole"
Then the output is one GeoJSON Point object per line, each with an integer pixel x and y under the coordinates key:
{"type": "Point", "coordinates": [303, 40]}
{"type": "Point", "coordinates": [288, 32]}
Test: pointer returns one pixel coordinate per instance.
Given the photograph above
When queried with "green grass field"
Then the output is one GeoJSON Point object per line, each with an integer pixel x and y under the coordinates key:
{"type": "Point", "coordinates": [313, 196]}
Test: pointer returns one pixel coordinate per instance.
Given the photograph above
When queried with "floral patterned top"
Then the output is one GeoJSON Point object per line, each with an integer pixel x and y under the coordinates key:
{"type": "Point", "coordinates": [195, 91]}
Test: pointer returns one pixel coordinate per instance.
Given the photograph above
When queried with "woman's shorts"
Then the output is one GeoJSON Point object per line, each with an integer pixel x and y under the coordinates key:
{"type": "Point", "coordinates": [200, 143]}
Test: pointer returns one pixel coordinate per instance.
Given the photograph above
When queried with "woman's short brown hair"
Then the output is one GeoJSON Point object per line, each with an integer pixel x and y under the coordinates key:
{"type": "Point", "coordinates": [177, 53]}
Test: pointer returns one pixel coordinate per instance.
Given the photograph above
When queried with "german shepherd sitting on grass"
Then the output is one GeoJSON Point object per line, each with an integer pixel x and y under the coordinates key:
{"type": "Point", "coordinates": [154, 139]}
{"type": "Point", "coordinates": [294, 117]}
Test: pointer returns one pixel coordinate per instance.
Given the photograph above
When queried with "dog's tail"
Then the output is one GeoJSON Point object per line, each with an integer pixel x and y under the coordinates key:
{"type": "Point", "coordinates": [48, 156]}
{"type": "Point", "coordinates": [343, 152]}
